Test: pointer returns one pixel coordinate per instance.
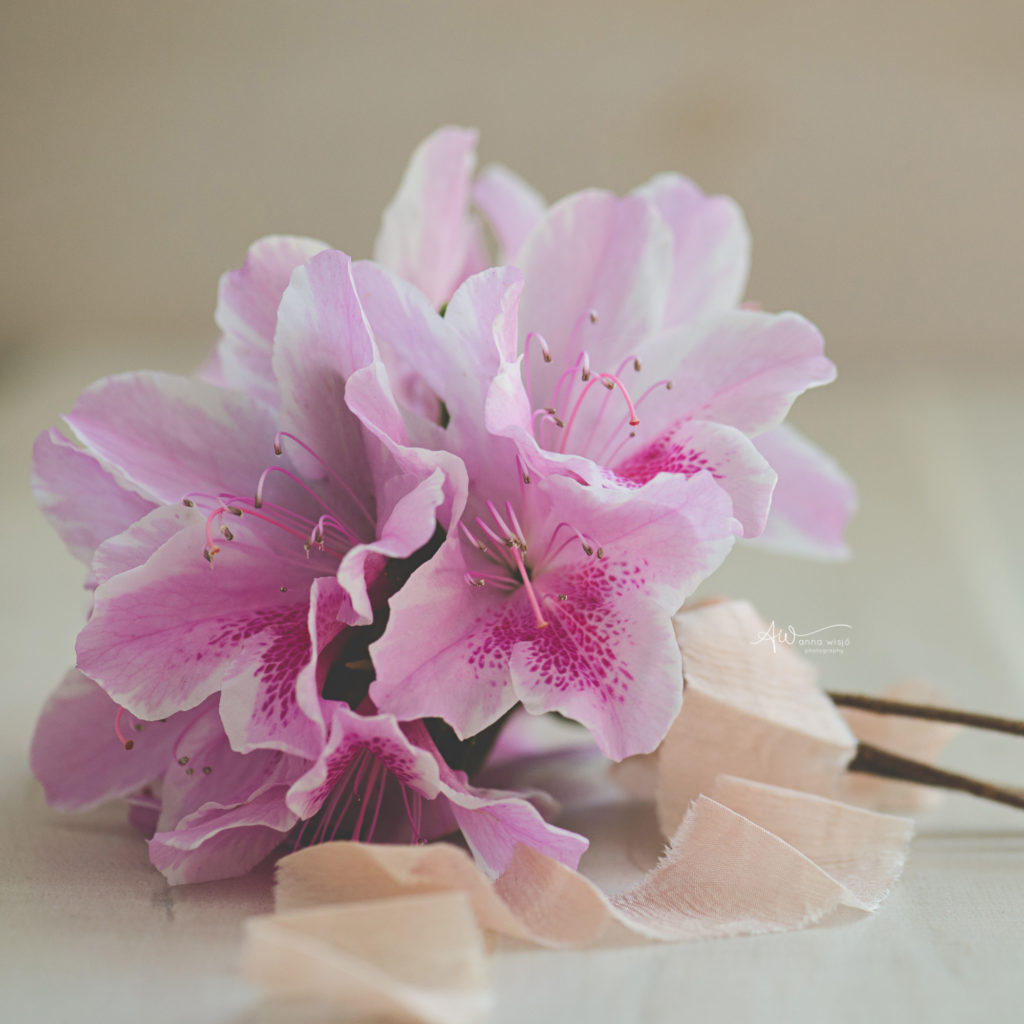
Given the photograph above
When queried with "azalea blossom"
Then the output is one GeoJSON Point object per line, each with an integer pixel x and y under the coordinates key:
{"type": "Point", "coordinates": [212, 812]}
{"type": "Point", "coordinates": [551, 593]}
{"type": "Point", "coordinates": [637, 296]}
{"type": "Point", "coordinates": [240, 548]}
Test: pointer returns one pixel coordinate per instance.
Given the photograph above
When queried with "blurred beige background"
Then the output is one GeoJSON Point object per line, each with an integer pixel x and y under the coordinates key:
{"type": "Point", "coordinates": [876, 146]}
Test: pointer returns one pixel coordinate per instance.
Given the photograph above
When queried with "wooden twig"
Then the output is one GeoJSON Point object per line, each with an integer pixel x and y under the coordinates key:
{"type": "Point", "coordinates": [872, 760]}
{"type": "Point", "coordinates": [881, 706]}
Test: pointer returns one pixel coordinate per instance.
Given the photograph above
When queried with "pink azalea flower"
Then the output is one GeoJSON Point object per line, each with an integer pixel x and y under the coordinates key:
{"type": "Point", "coordinates": [640, 295]}
{"type": "Point", "coordinates": [550, 593]}
{"type": "Point", "coordinates": [214, 812]}
{"type": "Point", "coordinates": [233, 587]}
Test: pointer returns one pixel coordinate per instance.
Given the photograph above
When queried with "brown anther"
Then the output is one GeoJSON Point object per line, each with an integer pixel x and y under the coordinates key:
{"type": "Point", "coordinates": [188, 503]}
{"type": "Point", "coordinates": [226, 533]}
{"type": "Point", "coordinates": [563, 597]}
{"type": "Point", "coordinates": [128, 744]}
{"type": "Point", "coordinates": [284, 590]}
{"type": "Point", "coordinates": [234, 511]}
{"type": "Point", "coordinates": [183, 760]}
{"type": "Point", "coordinates": [547, 357]}
{"type": "Point", "coordinates": [668, 385]}
{"type": "Point", "coordinates": [278, 450]}
{"type": "Point", "coordinates": [207, 770]}
{"type": "Point", "coordinates": [190, 771]}
{"type": "Point", "coordinates": [588, 549]}
{"type": "Point", "coordinates": [593, 317]}
{"type": "Point", "coordinates": [608, 384]}
{"type": "Point", "coordinates": [558, 422]}
{"type": "Point", "coordinates": [208, 553]}
{"type": "Point", "coordinates": [637, 365]}
{"type": "Point", "coordinates": [600, 552]}
{"type": "Point", "coordinates": [138, 727]}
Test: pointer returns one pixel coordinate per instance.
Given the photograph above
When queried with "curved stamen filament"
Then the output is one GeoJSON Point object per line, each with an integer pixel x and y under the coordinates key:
{"type": "Point", "coordinates": [516, 526]}
{"type": "Point", "coordinates": [545, 352]}
{"type": "Point", "coordinates": [610, 381]}
{"type": "Point", "coordinates": [278, 449]}
{"type": "Point", "coordinates": [471, 537]}
{"type": "Point", "coordinates": [125, 741]}
{"type": "Point", "coordinates": [666, 384]}
{"type": "Point", "coordinates": [530, 592]}
{"type": "Point", "coordinates": [569, 376]}
{"type": "Point", "coordinates": [483, 579]}
{"type": "Point", "coordinates": [500, 543]}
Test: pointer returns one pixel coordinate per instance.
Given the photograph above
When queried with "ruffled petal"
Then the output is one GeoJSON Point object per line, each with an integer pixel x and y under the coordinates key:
{"type": "Point", "coordinates": [743, 369]}
{"type": "Point", "coordinates": [711, 248]}
{"type": "Point", "coordinates": [813, 500]}
{"type": "Point", "coordinates": [511, 208]}
{"type": "Point", "coordinates": [426, 235]}
{"type": "Point", "coordinates": [693, 446]}
{"type": "Point", "coordinates": [77, 755]}
{"type": "Point", "coordinates": [82, 499]}
{"type": "Point", "coordinates": [171, 436]}
{"type": "Point", "coordinates": [167, 634]}
{"type": "Point", "coordinates": [597, 272]}
{"type": "Point", "coordinates": [247, 304]}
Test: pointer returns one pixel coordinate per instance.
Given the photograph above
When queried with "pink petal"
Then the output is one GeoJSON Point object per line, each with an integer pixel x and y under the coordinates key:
{"type": "Point", "coordinates": [222, 842]}
{"type": "Point", "coordinates": [77, 756]}
{"type": "Point", "coordinates": [743, 369]}
{"type": "Point", "coordinates": [494, 822]}
{"type": "Point", "coordinates": [595, 254]}
{"type": "Point", "coordinates": [322, 339]}
{"type": "Point", "coordinates": [170, 436]}
{"type": "Point", "coordinates": [426, 235]}
{"type": "Point", "coordinates": [133, 547]}
{"type": "Point", "coordinates": [164, 636]}
{"type": "Point", "coordinates": [205, 773]}
{"type": "Point", "coordinates": [247, 312]}
{"type": "Point", "coordinates": [511, 208]}
{"type": "Point", "coordinates": [606, 655]}
{"type": "Point", "coordinates": [724, 452]}
{"type": "Point", "coordinates": [813, 500]}
{"type": "Point", "coordinates": [711, 248]}
{"type": "Point", "coordinates": [445, 651]}
{"type": "Point", "coordinates": [83, 500]}
{"type": "Point", "coordinates": [278, 705]}
{"type": "Point", "coordinates": [351, 733]}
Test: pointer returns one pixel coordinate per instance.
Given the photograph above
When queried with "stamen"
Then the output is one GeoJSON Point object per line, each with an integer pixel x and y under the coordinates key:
{"type": "Point", "coordinates": [502, 525]}
{"type": "Point", "coordinates": [472, 580]}
{"type": "Point", "coordinates": [471, 538]}
{"type": "Point", "coordinates": [125, 741]}
{"type": "Point", "coordinates": [500, 542]}
{"type": "Point", "coordinates": [527, 583]}
{"type": "Point", "coordinates": [278, 449]}
{"type": "Point", "coordinates": [666, 384]}
{"type": "Point", "coordinates": [585, 375]}
{"type": "Point", "coordinates": [610, 381]}
{"type": "Point", "coordinates": [522, 469]}
{"type": "Point", "coordinates": [520, 535]}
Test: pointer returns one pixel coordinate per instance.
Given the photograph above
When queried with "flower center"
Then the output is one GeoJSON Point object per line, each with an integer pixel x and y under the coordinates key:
{"type": "Point", "coordinates": [504, 546]}
{"type": "Point", "coordinates": [304, 514]}
{"type": "Point", "coordinates": [581, 417]}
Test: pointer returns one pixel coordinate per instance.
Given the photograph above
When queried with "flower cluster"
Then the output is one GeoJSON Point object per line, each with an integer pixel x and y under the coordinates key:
{"type": "Point", "coordinates": [406, 496]}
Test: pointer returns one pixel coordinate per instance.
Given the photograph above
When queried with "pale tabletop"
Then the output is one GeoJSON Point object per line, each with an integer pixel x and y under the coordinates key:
{"type": "Point", "coordinates": [90, 932]}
